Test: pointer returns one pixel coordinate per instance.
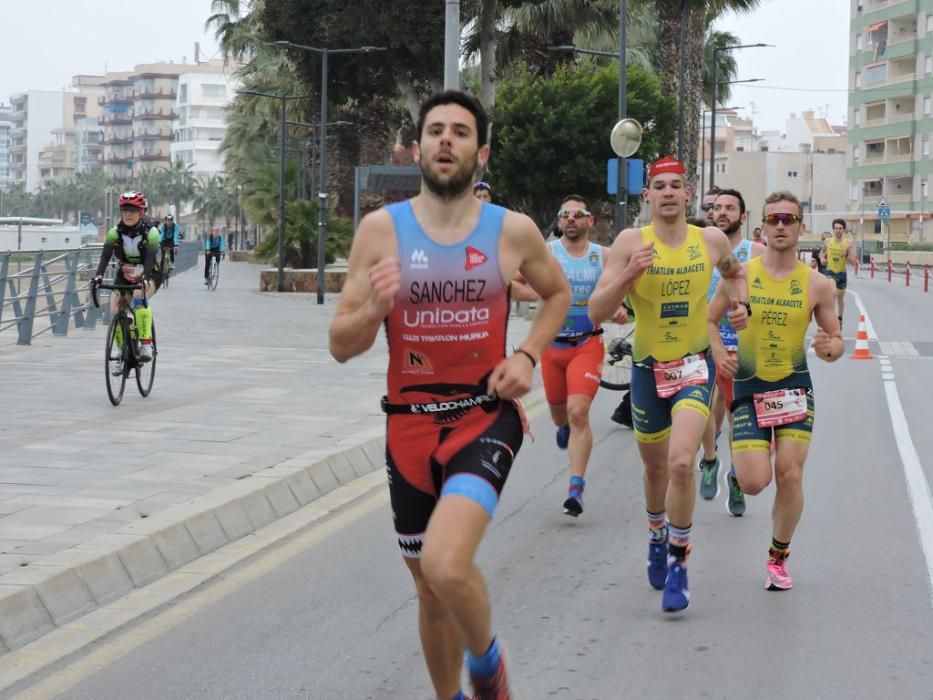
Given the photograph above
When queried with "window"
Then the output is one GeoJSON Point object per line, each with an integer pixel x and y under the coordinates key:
{"type": "Point", "coordinates": [791, 173]}
{"type": "Point", "coordinates": [858, 41]}
{"type": "Point", "coordinates": [183, 94]}
{"type": "Point", "coordinates": [929, 23]}
{"type": "Point", "coordinates": [213, 90]}
{"type": "Point", "coordinates": [858, 116]}
{"type": "Point", "coordinates": [926, 106]}
{"type": "Point", "coordinates": [928, 64]}
{"type": "Point", "coordinates": [858, 80]}
{"type": "Point", "coordinates": [926, 146]}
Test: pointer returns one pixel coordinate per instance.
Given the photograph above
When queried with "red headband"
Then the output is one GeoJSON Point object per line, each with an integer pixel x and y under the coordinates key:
{"type": "Point", "coordinates": [666, 165]}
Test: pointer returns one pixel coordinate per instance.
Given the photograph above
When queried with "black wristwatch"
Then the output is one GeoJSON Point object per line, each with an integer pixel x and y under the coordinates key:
{"type": "Point", "coordinates": [748, 307]}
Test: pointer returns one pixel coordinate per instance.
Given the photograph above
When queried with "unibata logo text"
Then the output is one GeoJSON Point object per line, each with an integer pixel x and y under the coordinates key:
{"type": "Point", "coordinates": [445, 317]}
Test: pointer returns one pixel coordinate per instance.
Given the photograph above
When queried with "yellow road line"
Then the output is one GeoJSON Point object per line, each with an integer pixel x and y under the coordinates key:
{"type": "Point", "coordinates": [112, 650]}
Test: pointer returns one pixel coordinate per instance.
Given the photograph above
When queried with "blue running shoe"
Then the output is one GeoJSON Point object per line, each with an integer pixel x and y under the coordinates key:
{"type": "Point", "coordinates": [563, 436]}
{"type": "Point", "coordinates": [657, 565]}
{"type": "Point", "coordinates": [676, 594]}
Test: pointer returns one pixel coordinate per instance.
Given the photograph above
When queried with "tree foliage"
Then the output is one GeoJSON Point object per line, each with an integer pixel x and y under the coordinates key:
{"type": "Point", "coordinates": [551, 136]}
{"type": "Point", "coordinates": [412, 33]}
{"type": "Point", "coordinates": [300, 244]}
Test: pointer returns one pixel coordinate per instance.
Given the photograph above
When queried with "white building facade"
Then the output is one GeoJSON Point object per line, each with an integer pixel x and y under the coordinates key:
{"type": "Point", "coordinates": [201, 107]}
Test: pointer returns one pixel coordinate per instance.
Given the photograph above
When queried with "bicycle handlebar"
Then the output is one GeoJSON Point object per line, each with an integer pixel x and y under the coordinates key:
{"type": "Point", "coordinates": [116, 287]}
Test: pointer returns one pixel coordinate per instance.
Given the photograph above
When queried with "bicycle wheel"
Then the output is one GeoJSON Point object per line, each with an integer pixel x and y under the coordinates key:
{"type": "Point", "coordinates": [616, 369]}
{"type": "Point", "coordinates": [145, 371]}
{"type": "Point", "coordinates": [215, 273]}
{"type": "Point", "coordinates": [116, 384]}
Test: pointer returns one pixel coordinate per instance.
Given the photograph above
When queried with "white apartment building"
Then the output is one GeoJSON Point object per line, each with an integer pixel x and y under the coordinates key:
{"type": "Point", "coordinates": [6, 126]}
{"type": "Point", "coordinates": [202, 122]}
{"type": "Point", "coordinates": [35, 115]}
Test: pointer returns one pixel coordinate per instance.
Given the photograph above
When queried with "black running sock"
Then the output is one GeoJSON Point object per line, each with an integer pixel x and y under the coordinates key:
{"type": "Point", "coordinates": [779, 549]}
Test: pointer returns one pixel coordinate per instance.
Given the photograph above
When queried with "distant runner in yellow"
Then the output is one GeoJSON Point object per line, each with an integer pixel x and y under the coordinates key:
{"type": "Point", "coordinates": [837, 251]}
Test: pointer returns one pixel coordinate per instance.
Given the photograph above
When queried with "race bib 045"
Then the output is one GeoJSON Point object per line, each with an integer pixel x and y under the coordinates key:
{"type": "Point", "coordinates": [780, 407]}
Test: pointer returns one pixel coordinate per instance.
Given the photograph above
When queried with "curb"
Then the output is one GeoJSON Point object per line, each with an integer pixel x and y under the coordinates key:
{"type": "Point", "coordinates": [63, 587]}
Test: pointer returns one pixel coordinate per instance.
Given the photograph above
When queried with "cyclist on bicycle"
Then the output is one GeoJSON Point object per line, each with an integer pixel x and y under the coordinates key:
{"type": "Point", "coordinates": [168, 238]}
{"type": "Point", "coordinates": [214, 247]}
{"type": "Point", "coordinates": [134, 244]}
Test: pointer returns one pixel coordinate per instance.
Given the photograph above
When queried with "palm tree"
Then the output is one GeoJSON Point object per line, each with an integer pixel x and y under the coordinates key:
{"type": "Point", "coordinates": [180, 184]}
{"type": "Point", "coordinates": [211, 198]}
{"type": "Point", "coordinates": [235, 27]}
{"type": "Point", "coordinates": [698, 15]}
{"type": "Point", "coordinates": [727, 68]}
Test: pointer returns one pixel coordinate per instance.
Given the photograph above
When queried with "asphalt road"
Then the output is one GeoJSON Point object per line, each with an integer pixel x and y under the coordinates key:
{"type": "Point", "coordinates": [330, 615]}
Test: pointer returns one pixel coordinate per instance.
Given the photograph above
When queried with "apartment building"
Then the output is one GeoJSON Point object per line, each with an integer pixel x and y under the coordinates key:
{"type": "Point", "coordinates": [6, 126]}
{"type": "Point", "coordinates": [139, 113]}
{"type": "Point", "coordinates": [891, 116]}
{"type": "Point", "coordinates": [43, 131]}
{"type": "Point", "coordinates": [201, 107]}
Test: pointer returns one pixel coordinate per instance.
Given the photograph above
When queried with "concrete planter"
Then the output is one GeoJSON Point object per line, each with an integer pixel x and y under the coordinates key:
{"type": "Point", "coordinates": [304, 281]}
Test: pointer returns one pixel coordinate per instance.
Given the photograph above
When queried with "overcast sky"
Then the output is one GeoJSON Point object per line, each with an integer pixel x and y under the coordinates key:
{"type": "Point", "coordinates": [810, 55]}
{"type": "Point", "coordinates": [45, 42]}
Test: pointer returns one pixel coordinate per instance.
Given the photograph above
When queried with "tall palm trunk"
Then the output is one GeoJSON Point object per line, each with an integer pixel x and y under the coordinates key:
{"type": "Point", "coordinates": [489, 14]}
{"type": "Point", "coordinates": [669, 18]}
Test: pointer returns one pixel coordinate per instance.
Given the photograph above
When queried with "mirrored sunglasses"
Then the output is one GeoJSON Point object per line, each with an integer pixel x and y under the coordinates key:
{"type": "Point", "coordinates": [786, 219]}
{"type": "Point", "coordinates": [573, 214]}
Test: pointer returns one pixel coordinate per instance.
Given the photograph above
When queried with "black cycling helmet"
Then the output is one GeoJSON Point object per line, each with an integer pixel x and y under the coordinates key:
{"type": "Point", "coordinates": [169, 217]}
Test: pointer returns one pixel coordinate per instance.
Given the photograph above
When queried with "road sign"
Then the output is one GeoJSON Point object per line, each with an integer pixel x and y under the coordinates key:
{"type": "Point", "coordinates": [635, 179]}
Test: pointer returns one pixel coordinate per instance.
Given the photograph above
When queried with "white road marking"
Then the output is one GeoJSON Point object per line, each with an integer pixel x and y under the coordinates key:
{"type": "Point", "coordinates": [917, 486]}
{"type": "Point", "coordinates": [886, 376]}
{"type": "Point", "coordinates": [870, 329]}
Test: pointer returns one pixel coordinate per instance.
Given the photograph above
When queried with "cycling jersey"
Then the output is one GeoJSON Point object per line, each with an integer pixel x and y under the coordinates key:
{"type": "Point", "coordinates": [214, 244]}
{"type": "Point", "coordinates": [135, 251]}
{"type": "Point", "coordinates": [168, 236]}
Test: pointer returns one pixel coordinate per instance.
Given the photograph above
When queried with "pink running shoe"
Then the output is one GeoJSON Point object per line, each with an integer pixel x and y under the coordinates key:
{"type": "Point", "coordinates": [778, 579]}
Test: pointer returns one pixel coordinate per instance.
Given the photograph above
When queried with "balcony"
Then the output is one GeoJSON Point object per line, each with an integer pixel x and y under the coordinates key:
{"type": "Point", "coordinates": [155, 114]}
{"type": "Point", "coordinates": [153, 94]}
{"type": "Point", "coordinates": [154, 134]}
{"type": "Point", "coordinates": [154, 155]}
{"type": "Point", "coordinates": [115, 98]}
{"type": "Point", "coordinates": [114, 120]}
{"type": "Point", "coordinates": [117, 140]}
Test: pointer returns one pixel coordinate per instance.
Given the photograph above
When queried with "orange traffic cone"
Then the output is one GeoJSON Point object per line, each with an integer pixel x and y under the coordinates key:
{"type": "Point", "coordinates": [861, 342]}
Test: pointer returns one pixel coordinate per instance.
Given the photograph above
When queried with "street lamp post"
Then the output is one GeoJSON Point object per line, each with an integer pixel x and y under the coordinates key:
{"type": "Point", "coordinates": [322, 184]}
{"type": "Point", "coordinates": [280, 280]}
{"type": "Point", "coordinates": [923, 194]}
{"type": "Point", "coordinates": [712, 138]}
{"type": "Point", "coordinates": [621, 187]}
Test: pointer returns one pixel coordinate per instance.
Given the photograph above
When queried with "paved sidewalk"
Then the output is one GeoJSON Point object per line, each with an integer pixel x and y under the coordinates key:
{"type": "Point", "coordinates": [249, 419]}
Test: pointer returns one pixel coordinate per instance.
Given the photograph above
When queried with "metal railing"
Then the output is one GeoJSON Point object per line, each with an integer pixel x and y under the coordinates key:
{"type": "Point", "coordinates": [47, 290]}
